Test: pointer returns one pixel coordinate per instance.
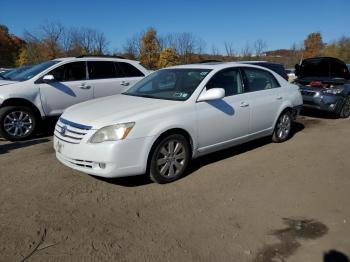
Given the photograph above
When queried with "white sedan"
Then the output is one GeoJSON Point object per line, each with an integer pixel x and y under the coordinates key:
{"type": "Point", "coordinates": [174, 115]}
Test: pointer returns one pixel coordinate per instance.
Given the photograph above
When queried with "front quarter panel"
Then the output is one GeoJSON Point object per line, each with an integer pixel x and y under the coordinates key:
{"type": "Point", "coordinates": [155, 124]}
{"type": "Point", "coordinates": [26, 90]}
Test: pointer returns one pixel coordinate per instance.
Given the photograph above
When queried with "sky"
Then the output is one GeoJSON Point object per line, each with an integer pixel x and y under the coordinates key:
{"type": "Point", "coordinates": [279, 23]}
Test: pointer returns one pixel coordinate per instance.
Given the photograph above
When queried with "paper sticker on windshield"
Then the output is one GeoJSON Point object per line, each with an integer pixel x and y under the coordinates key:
{"type": "Point", "coordinates": [180, 95]}
{"type": "Point", "coordinates": [204, 73]}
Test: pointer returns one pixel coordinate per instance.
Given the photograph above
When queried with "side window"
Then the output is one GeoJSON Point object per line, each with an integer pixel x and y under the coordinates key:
{"type": "Point", "coordinates": [259, 80]}
{"type": "Point", "coordinates": [70, 72]}
{"type": "Point", "coordinates": [102, 70]}
{"type": "Point", "coordinates": [129, 70]}
{"type": "Point", "coordinates": [228, 79]}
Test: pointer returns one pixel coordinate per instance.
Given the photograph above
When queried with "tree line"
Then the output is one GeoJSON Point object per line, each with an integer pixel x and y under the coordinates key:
{"type": "Point", "coordinates": [54, 40]}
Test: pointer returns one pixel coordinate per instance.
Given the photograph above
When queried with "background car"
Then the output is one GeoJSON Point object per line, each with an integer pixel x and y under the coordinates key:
{"type": "Point", "coordinates": [174, 115]}
{"type": "Point", "coordinates": [47, 89]}
{"type": "Point", "coordinates": [276, 67]}
{"type": "Point", "coordinates": [325, 85]}
{"type": "Point", "coordinates": [291, 74]}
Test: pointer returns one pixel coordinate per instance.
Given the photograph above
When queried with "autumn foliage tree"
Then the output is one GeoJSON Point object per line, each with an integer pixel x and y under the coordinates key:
{"type": "Point", "coordinates": [339, 48]}
{"type": "Point", "coordinates": [313, 45]}
{"type": "Point", "coordinates": [150, 49]}
{"type": "Point", "coordinates": [168, 57]}
{"type": "Point", "coordinates": [10, 46]}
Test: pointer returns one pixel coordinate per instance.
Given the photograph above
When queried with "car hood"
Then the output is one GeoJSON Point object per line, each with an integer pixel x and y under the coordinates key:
{"type": "Point", "coordinates": [6, 82]}
{"type": "Point", "coordinates": [320, 68]}
{"type": "Point", "coordinates": [115, 109]}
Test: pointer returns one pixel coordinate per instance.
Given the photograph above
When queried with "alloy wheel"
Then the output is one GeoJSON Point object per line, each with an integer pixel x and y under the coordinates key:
{"type": "Point", "coordinates": [171, 159]}
{"type": "Point", "coordinates": [18, 123]}
{"type": "Point", "coordinates": [346, 108]}
{"type": "Point", "coordinates": [283, 126]}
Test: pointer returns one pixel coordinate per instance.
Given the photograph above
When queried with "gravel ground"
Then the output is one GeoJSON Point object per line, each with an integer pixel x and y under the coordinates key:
{"type": "Point", "coordinates": [256, 202]}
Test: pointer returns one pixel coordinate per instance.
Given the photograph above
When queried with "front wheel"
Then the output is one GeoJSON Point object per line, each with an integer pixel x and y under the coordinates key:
{"type": "Point", "coordinates": [169, 159]}
{"type": "Point", "coordinates": [17, 123]}
{"type": "Point", "coordinates": [345, 111]}
{"type": "Point", "coordinates": [283, 127]}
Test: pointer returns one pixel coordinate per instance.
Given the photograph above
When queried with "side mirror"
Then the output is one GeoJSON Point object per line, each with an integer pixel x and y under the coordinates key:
{"type": "Point", "coordinates": [212, 94]}
{"type": "Point", "coordinates": [49, 78]}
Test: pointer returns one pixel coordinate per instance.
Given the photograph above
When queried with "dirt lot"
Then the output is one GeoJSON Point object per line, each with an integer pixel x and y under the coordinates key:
{"type": "Point", "coordinates": [256, 202]}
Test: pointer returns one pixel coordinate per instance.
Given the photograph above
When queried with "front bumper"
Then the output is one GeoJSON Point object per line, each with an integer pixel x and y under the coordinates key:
{"type": "Point", "coordinates": [107, 159]}
{"type": "Point", "coordinates": [321, 101]}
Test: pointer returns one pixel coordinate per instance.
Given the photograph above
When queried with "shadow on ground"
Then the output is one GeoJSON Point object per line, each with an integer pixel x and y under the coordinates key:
{"type": "Point", "coordinates": [45, 131]}
{"type": "Point", "coordinates": [335, 256]}
{"type": "Point", "coordinates": [197, 163]}
{"type": "Point", "coordinates": [317, 113]}
{"type": "Point", "coordinates": [6, 148]}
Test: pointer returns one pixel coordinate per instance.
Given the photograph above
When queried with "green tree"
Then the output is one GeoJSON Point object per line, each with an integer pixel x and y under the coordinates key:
{"type": "Point", "coordinates": [168, 57]}
{"type": "Point", "coordinates": [313, 45]}
{"type": "Point", "coordinates": [150, 49]}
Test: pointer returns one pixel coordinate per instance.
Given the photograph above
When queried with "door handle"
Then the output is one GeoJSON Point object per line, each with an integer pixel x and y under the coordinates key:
{"type": "Point", "coordinates": [244, 104]}
{"type": "Point", "coordinates": [279, 97]}
{"type": "Point", "coordinates": [84, 86]}
{"type": "Point", "coordinates": [124, 83]}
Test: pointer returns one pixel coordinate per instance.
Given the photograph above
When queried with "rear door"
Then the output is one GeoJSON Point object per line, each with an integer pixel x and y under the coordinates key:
{"type": "Point", "coordinates": [104, 77]}
{"type": "Point", "coordinates": [70, 87]}
{"type": "Point", "coordinates": [266, 98]}
{"type": "Point", "coordinates": [131, 74]}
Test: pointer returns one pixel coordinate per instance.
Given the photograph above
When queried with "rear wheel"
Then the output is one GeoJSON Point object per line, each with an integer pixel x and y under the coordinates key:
{"type": "Point", "coordinates": [283, 127]}
{"type": "Point", "coordinates": [345, 111]}
{"type": "Point", "coordinates": [169, 159]}
{"type": "Point", "coordinates": [17, 122]}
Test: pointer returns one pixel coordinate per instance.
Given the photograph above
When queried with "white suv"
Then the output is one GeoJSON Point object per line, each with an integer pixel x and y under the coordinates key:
{"type": "Point", "coordinates": [49, 88]}
{"type": "Point", "coordinates": [173, 115]}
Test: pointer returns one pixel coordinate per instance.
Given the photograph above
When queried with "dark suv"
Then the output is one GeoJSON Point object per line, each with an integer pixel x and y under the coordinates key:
{"type": "Point", "coordinates": [325, 84]}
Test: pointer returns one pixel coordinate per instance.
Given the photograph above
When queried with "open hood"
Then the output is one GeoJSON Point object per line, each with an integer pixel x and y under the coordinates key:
{"type": "Point", "coordinates": [322, 68]}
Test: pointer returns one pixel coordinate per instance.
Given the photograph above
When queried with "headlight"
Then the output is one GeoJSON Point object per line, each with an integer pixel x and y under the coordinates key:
{"type": "Point", "coordinates": [333, 91]}
{"type": "Point", "coordinates": [112, 133]}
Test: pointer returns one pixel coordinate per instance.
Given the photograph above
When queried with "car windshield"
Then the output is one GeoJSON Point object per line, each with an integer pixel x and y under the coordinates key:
{"type": "Point", "coordinates": [170, 84]}
{"type": "Point", "coordinates": [13, 73]}
{"type": "Point", "coordinates": [33, 71]}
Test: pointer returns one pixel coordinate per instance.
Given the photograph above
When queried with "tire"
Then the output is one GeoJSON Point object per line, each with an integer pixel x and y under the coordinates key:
{"type": "Point", "coordinates": [169, 159]}
{"type": "Point", "coordinates": [345, 111]}
{"type": "Point", "coordinates": [17, 122]}
{"type": "Point", "coordinates": [283, 128]}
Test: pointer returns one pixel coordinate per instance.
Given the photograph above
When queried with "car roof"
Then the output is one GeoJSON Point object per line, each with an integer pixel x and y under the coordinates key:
{"type": "Point", "coordinates": [215, 65]}
{"type": "Point", "coordinates": [261, 62]}
{"type": "Point", "coordinates": [94, 58]}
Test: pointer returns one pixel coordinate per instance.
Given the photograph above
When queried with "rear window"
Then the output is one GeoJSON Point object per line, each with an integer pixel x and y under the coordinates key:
{"type": "Point", "coordinates": [259, 80]}
{"type": "Point", "coordinates": [279, 69]}
{"type": "Point", "coordinates": [129, 70]}
{"type": "Point", "coordinates": [103, 70]}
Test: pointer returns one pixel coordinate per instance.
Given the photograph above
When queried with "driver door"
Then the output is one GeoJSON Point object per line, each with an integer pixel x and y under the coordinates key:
{"type": "Point", "coordinates": [69, 87]}
{"type": "Point", "coordinates": [223, 122]}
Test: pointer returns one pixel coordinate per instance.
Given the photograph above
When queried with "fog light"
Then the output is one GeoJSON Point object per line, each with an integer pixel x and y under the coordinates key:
{"type": "Point", "coordinates": [332, 106]}
{"type": "Point", "coordinates": [102, 165]}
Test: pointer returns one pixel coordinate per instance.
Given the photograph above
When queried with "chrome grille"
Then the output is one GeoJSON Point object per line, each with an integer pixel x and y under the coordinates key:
{"type": "Point", "coordinates": [70, 132]}
{"type": "Point", "coordinates": [308, 93]}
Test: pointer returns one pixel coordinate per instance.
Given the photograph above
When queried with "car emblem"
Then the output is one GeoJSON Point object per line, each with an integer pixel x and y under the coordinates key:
{"type": "Point", "coordinates": [63, 130]}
